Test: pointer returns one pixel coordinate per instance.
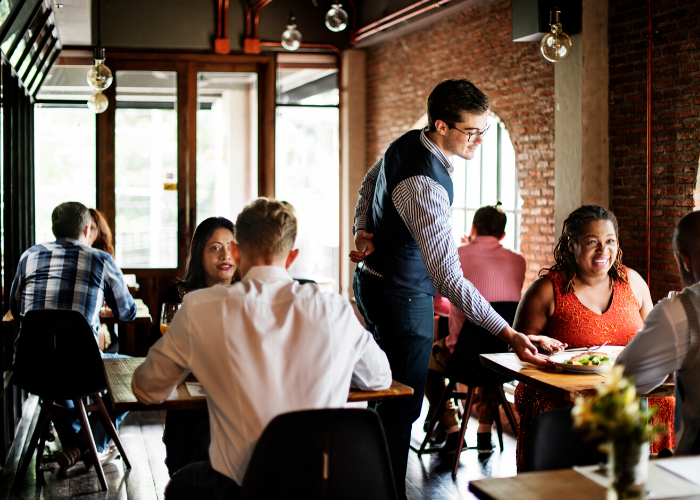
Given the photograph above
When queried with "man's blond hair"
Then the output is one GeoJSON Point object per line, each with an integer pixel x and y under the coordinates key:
{"type": "Point", "coordinates": [266, 228]}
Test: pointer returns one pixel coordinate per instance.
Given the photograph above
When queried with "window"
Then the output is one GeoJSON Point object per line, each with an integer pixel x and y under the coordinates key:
{"type": "Point", "coordinates": [146, 169]}
{"type": "Point", "coordinates": [307, 164]}
{"type": "Point", "coordinates": [491, 176]}
{"type": "Point", "coordinates": [64, 145]}
{"type": "Point", "coordinates": [227, 143]}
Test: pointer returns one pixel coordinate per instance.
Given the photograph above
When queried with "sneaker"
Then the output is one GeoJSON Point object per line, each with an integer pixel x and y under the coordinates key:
{"type": "Point", "coordinates": [451, 444]}
{"type": "Point", "coordinates": [484, 446]}
{"type": "Point", "coordinates": [109, 454]}
{"type": "Point", "coordinates": [67, 457]}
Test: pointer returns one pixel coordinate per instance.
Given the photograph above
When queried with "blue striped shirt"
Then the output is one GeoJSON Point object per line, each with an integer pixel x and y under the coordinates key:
{"type": "Point", "coordinates": [424, 207]}
{"type": "Point", "coordinates": [66, 274]}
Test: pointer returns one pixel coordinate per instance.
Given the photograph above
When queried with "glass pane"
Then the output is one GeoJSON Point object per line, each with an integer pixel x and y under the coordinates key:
{"type": "Point", "coordinates": [64, 145]}
{"type": "Point", "coordinates": [489, 168]}
{"type": "Point", "coordinates": [66, 82]}
{"type": "Point", "coordinates": [307, 174]}
{"type": "Point", "coordinates": [227, 143]}
{"type": "Point", "coordinates": [509, 172]}
{"type": "Point", "coordinates": [146, 169]}
{"type": "Point", "coordinates": [509, 240]}
{"type": "Point", "coordinates": [474, 180]}
{"type": "Point", "coordinates": [458, 224]}
{"type": "Point", "coordinates": [19, 24]}
{"type": "Point", "coordinates": [307, 79]}
{"type": "Point", "coordinates": [459, 180]}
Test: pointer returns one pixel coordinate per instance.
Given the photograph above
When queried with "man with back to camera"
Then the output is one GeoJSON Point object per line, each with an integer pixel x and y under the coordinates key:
{"type": "Point", "coordinates": [261, 347]}
{"type": "Point", "coordinates": [670, 340]}
{"type": "Point", "coordinates": [498, 274]}
{"type": "Point", "coordinates": [69, 274]}
{"type": "Point", "coordinates": [404, 239]}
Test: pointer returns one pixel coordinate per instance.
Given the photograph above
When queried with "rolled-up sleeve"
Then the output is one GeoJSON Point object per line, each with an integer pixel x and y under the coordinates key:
{"type": "Point", "coordinates": [366, 195]}
{"type": "Point", "coordinates": [117, 293]}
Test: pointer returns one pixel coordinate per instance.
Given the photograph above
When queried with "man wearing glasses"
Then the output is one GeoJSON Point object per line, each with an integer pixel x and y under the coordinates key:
{"type": "Point", "coordinates": [406, 252]}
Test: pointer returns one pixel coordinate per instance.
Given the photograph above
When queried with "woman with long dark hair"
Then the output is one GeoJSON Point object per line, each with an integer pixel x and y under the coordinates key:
{"type": "Point", "coordinates": [587, 298]}
{"type": "Point", "coordinates": [209, 264]}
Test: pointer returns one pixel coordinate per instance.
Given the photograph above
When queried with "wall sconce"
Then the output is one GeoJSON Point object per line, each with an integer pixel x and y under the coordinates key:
{"type": "Point", "coordinates": [556, 45]}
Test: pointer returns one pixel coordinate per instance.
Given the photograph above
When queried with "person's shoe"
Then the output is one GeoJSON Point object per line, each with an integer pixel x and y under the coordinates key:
{"type": "Point", "coordinates": [484, 446]}
{"type": "Point", "coordinates": [109, 454]}
{"type": "Point", "coordinates": [451, 444]}
{"type": "Point", "coordinates": [67, 457]}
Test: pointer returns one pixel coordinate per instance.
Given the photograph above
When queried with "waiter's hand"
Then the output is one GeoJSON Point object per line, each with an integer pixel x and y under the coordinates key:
{"type": "Point", "coordinates": [364, 245]}
{"type": "Point", "coordinates": [548, 343]}
{"type": "Point", "coordinates": [524, 348]}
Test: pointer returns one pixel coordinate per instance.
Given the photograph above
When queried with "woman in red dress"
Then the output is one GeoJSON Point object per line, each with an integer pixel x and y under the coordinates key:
{"type": "Point", "coordinates": [586, 299]}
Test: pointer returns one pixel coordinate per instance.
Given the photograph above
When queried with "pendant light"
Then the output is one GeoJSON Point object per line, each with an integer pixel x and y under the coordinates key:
{"type": "Point", "coordinates": [291, 38]}
{"type": "Point", "coordinates": [99, 76]}
{"type": "Point", "coordinates": [336, 18]}
{"type": "Point", "coordinates": [556, 45]}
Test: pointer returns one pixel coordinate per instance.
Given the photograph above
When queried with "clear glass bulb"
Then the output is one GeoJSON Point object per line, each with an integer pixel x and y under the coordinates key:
{"type": "Point", "coordinates": [556, 45]}
{"type": "Point", "coordinates": [336, 18]}
{"type": "Point", "coordinates": [99, 77]}
{"type": "Point", "coordinates": [291, 38]}
{"type": "Point", "coordinates": [98, 102]}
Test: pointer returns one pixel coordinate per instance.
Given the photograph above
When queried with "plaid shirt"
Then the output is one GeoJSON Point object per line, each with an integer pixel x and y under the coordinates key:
{"type": "Point", "coordinates": [66, 274]}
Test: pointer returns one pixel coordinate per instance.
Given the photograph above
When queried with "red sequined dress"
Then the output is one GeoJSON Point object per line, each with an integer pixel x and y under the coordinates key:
{"type": "Point", "coordinates": [578, 326]}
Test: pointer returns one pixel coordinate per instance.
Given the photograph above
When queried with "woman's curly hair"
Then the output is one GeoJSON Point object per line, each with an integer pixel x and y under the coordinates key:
{"type": "Point", "coordinates": [573, 225]}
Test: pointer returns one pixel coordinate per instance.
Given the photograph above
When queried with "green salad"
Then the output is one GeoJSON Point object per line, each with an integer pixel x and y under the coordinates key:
{"type": "Point", "coordinates": [585, 359]}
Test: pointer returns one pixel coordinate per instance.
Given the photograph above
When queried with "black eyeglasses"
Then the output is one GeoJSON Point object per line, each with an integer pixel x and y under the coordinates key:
{"type": "Point", "coordinates": [475, 135]}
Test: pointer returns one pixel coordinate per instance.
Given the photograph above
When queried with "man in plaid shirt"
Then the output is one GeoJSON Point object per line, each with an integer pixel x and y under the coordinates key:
{"type": "Point", "coordinates": [70, 274]}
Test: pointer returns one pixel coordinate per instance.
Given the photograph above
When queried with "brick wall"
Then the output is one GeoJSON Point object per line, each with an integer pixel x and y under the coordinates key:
{"type": "Point", "coordinates": [477, 45]}
{"type": "Point", "coordinates": [675, 128]}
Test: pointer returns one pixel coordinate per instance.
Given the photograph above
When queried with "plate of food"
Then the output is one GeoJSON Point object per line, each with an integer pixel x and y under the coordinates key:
{"type": "Point", "coordinates": [587, 361]}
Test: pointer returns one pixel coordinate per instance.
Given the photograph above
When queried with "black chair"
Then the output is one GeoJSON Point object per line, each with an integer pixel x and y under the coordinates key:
{"type": "Point", "coordinates": [57, 359]}
{"type": "Point", "coordinates": [555, 444]}
{"type": "Point", "coordinates": [338, 454]}
{"type": "Point", "coordinates": [465, 368]}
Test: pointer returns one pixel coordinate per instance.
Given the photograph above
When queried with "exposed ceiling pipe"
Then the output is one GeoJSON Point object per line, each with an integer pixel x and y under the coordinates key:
{"type": "Point", "coordinates": [392, 20]}
{"type": "Point", "coordinates": [650, 38]}
{"type": "Point", "coordinates": [222, 45]}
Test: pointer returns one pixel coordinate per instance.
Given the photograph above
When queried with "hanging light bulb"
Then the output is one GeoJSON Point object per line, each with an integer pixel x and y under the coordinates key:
{"type": "Point", "coordinates": [336, 18]}
{"type": "Point", "coordinates": [555, 46]}
{"type": "Point", "coordinates": [98, 102]}
{"type": "Point", "coordinates": [99, 77]}
{"type": "Point", "coordinates": [291, 38]}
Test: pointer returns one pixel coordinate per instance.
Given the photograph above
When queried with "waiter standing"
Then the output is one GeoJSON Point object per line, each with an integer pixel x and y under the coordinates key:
{"type": "Point", "coordinates": [404, 237]}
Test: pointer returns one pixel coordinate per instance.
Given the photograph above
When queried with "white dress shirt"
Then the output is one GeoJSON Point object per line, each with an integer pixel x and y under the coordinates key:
{"type": "Point", "coordinates": [261, 347]}
{"type": "Point", "coordinates": [659, 348]}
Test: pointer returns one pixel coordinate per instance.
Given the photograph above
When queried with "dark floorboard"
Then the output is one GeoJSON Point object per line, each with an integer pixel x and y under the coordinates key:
{"type": "Point", "coordinates": [141, 433]}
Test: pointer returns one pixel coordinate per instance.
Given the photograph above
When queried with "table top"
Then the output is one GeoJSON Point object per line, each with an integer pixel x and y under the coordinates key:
{"type": "Point", "coordinates": [143, 316]}
{"type": "Point", "coordinates": [119, 371]}
{"type": "Point", "coordinates": [572, 485]}
{"type": "Point", "coordinates": [563, 385]}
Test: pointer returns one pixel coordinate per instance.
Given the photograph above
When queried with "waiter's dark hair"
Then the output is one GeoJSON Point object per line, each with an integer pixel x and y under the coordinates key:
{"type": "Point", "coordinates": [452, 98]}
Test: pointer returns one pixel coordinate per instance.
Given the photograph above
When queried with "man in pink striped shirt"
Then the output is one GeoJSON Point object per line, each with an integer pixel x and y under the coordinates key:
{"type": "Point", "coordinates": [498, 274]}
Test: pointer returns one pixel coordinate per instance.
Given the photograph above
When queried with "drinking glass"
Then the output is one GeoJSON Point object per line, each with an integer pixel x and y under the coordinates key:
{"type": "Point", "coordinates": [167, 313]}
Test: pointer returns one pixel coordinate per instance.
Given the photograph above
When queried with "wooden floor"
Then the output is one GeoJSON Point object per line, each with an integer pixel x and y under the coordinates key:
{"type": "Point", "coordinates": [141, 432]}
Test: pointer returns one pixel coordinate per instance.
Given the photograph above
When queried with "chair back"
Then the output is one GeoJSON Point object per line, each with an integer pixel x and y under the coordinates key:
{"type": "Point", "coordinates": [321, 454]}
{"type": "Point", "coordinates": [465, 365]}
{"type": "Point", "coordinates": [57, 356]}
{"type": "Point", "coordinates": [555, 444]}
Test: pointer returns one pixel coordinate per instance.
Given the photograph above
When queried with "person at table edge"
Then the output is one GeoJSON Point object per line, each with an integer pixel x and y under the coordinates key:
{"type": "Point", "coordinates": [670, 340]}
{"type": "Point", "coordinates": [70, 274]}
{"type": "Point", "coordinates": [261, 347]}
{"type": "Point", "coordinates": [404, 240]}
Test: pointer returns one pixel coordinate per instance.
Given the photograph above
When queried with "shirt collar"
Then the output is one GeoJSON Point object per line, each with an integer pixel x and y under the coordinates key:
{"type": "Point", "coordinates": [492, 240]}
{"type": "Point", "coordinates": [267, 273]}
{"type": "Point", "coordinates": [432, 147]}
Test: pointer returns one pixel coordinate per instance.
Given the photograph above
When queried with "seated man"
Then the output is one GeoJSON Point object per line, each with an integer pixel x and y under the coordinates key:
{"type": "Point", "coordinates": [69, 274]}
{"type": "Point", "coordinates": [670, 340]}
{"type": "Point", "coordinates": [261, 347]}
{"type": "Point", "coordinates": [498, 274]}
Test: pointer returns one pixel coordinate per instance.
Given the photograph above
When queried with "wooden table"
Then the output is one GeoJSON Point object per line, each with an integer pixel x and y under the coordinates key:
{"type": "Point", "coordinates": [119, 371]}
{"type": "Point", "coordinates": [563, 385]}
{"type": "Point", "coordinates": [572, 485]}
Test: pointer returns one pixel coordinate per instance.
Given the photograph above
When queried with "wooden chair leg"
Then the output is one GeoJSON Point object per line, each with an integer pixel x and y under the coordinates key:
{"type": "Point", "coordinates": [434, 417]}
{"type": "Point", "coordinates": [34, 440]}
{"type": "Point", "coordinates": [111, 429]}
{"type": "Point", "coordinates": [460, 443]}
{"type": "Point", "coordinates": [495, 409]}
{"type": "Point", "coordinates": [509, 410]}
{"type": "Point", "coordinates": [82, 415]}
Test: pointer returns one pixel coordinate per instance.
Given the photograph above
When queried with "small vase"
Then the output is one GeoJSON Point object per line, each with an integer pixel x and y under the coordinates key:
{"type": "Point", "coordinates": [628, 465]}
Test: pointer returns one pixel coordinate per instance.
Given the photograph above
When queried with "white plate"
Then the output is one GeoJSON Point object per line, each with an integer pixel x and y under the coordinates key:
{"type": "Point", "coordinates": [560, 358]}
